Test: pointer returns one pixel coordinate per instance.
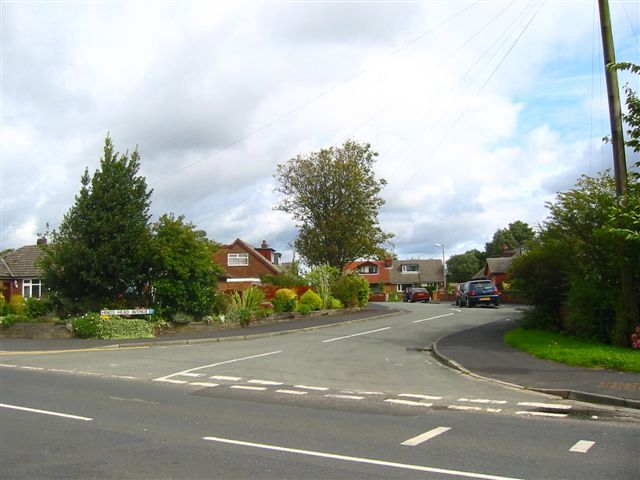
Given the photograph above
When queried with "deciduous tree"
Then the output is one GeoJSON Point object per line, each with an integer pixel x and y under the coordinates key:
{"type": "Point", "coordinates": [334, 196]}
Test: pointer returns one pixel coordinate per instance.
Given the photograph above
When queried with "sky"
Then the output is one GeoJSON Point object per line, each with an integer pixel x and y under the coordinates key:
{"type": "Point", "coordinates": [480, 111]}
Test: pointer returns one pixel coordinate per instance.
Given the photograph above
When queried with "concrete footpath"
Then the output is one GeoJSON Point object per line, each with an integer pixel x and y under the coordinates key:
{"type": "Point", "coordinates": [480, 351]}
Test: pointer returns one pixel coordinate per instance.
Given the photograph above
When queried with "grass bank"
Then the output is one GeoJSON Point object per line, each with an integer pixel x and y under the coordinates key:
{"type": "Point", "coordinates": [561, 348]}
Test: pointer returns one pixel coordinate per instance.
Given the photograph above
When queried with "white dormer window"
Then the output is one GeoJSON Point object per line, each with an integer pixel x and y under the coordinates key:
{"type": "Point", "coordinates": [410, 268]}
{"type": "Point", "coordinates": [237, 259]}
{"type": "Point", "coordinates": [368, 269]}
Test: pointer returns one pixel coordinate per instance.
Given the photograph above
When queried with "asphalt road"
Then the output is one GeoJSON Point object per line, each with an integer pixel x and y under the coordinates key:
{"type": "Point", "coordinates": [355, 401]}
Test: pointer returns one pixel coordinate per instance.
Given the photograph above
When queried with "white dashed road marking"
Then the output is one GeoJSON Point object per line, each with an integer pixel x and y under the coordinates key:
{"type": "Point", "coordinates": [582, 446]}
{"type": "Point", "coordinates": [356, 335]}
{"type": "Point", "coordinates": [555, 406]}
{"type": "Point", "coordinates": [292, 392]}
{"type": "Point", "coordinates": [422, 397]}
{"type": "Point", "coordinates": [412, 442]}
{"type": "Point", "coordinates": [248, 387]}
{"type": "Point", "coordinates": [542, 414]}
{"type": "Point", "coordinates": [307, 387]}
{"type": "Point", "coordinates": [411, 403]}
{"type": "Point", "coordinates": [225, 378]}
{"type": "Point", "coordinates": [433, 318]}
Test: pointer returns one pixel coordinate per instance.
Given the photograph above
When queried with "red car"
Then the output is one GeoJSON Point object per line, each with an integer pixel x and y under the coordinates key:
{"type": "Point", "coordinates": [417, 295]}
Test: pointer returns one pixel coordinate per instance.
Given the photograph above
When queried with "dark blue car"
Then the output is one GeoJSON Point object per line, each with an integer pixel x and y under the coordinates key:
{"type": "Point", "coordinates": [479, 292]}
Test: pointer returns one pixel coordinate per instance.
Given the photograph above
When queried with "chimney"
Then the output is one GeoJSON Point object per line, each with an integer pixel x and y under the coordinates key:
{"type": "Point", "coordinates": [388, 262]}
{"type": "Point", "coordinates": [41, 240]}
{"type": "Point", "coordinates": [265, 251]}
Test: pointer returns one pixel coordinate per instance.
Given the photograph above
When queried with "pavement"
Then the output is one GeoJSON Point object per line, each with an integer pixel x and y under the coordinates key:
{"type": "Point", "coordinates": [479, 352]}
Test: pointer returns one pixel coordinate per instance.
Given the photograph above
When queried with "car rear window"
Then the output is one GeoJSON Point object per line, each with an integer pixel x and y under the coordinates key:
{"type": "Point", "coordinates": [419, 290]}
{"type": "Point", "coordinates": [482, 286]}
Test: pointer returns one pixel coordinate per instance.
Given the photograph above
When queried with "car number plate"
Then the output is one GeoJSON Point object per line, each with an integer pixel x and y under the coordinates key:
{"type": "Point", "coordinates": [483, 299]}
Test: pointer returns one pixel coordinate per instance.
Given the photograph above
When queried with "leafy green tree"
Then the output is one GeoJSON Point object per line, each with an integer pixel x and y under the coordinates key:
{"type": "Point", "coordinates": [517, 235]}
{"type": "Point", "coordinates": [334, 196]}
{"type": "Point", "coordinates": [99, 256]}
{"type": "Point", "coordinates": [183, 275]}
{"type": "Point", "coordinates": [464, 266]}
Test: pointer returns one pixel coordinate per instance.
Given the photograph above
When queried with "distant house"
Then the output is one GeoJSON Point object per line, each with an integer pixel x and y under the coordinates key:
{"type": "Point", "coordinates": [398, 275]}
{"type": "Point", "coordinates": [496, 269]}
{"type": "Point", "coordinates": [244, 264]}
{"type": "Point", "coordinates": [416, 273]}
{"type": "Point", "coordinates": [375, 272]}
{"type": "Point", "coordinates": [19, 271]}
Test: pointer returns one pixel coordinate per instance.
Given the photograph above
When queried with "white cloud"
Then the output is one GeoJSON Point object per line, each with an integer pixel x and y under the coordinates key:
{"type": "Point", "coordinates": [477, 121]}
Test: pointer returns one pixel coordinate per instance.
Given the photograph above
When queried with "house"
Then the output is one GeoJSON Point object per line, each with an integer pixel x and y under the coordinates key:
{"type": "Point", "coordinates": [397, 275]}
{"type": "Point", "coordinates": [244, 264]}
{"type": "Point", "coordinates": [496, 269]}
{"type": "Point", "coordinates": [19, 271]}
{"type": "Point", "coordinates": [375, 272]}
{"type": "Point", "coordinates": [416, 273]}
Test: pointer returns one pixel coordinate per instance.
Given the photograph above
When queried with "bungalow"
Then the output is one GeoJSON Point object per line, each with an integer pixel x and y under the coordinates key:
{"type": "Point", "coordinates": [244, 264]}
{"type": "Point", "coordinates": [416, 273]}
{"type": "Point", "coordinates": [19, 271]}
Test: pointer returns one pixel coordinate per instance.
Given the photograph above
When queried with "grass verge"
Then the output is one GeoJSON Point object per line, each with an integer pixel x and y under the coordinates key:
{"type": "Point", "coordinates": [572, 351]}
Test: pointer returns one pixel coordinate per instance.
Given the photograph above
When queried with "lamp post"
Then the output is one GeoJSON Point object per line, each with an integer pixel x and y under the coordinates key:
{"type": "Point", "coordinates": [444, 271]}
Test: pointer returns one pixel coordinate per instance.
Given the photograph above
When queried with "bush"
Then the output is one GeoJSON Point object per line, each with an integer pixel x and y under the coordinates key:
{"type": "Point", "coordinates": [312, 299]}
{"type": "Point", "coordinates": [334, 303]}
{"type": "Point", "coordinates": [121, 328]}
{"type": "Point", "coordinates": [3, 306]}
{"type": "Point", "coordinates": [352, 290]}
{"type": "Point", "coordinates": [34, 308]}
{"type": "Point", "coordinates": [284, 300]}
{"type": "Point", "coordinates": [304, 308]}
{"type": "Point", "coordinates": [10, 319]}
{"type": "Point", "coordinates": [86, 326]}
{"type": "Point", "coordinates": [181, 317]}
{"type": "Point", "coordinates": [16, 304]}
{"type": "Point", "coordinates": [92, 325]}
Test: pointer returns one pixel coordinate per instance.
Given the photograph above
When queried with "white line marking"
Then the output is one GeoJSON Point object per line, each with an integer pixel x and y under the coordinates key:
{"type": "Point", "coordinates": [408, 402]}
{"type": "Point", "coordinates": [225, 377]}
{"type": "Point", "coordinates": [170, 380]}
{"type": "Point", "coordinates": [204, 384]}
{"type": "Point", "coordinates": [433, 318]}
{"type": "Point", "coordinates": [494, 410]}
{"type": "Point", "coordinates": [542, 414]}
{"type": "Point", "coordinates": [582, 446]}
{"type": "Point", "coordinates": [8, 365]}
{"type": "Point", "coordinates": [219, 363]}
{"type": "Point", "coordinates": [189, 374]}
{"type": "Point", "coordinates": [265, 382]}
{"type": "Point", "coordinates": [46, 412]}
{"type": "Point", "coordinates": [344, 397]}
{"type": "Point", "coordinates": [369, 461]}
{"type": "Point", "coordinates": [481, 400]}
{"type": "Point", "coordinates": [463, 407]}
{"type": "Point", "coordinates": [247, 387]}
{"type": "Point", "coordinates": [545, 405]}
{"type": "Point", "coordinates": [292, 392]}
{"type": "Point", "coordinates": [307, 387]}
{"type": "Point", "coordinates": [60, 370]}
{"type": "Point", "coordinates": [356, 335]}
{"type": "Point", "coordinates": [32, 368]}
{"type": "Point", "coordinates": [412, 442]}
{"type": "Point", "coordinates": [122, 377]}
{"type": "Point", "coordinates": [415, 395]}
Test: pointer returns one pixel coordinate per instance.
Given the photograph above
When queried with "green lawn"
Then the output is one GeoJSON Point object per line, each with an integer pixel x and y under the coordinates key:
{"type": "Point", "coordinates": [561, 348]}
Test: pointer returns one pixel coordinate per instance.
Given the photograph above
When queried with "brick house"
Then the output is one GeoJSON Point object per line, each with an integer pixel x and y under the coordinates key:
{"type": "Point", "coordinates": [19, 271]}
{"type": "Point", "coordinates": [244, 264]}
{"type": "Point", "coordinates": [375, 272]}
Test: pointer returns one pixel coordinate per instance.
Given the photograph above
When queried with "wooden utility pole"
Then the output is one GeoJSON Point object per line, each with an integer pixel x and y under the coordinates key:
{"type": "Point", "coordinates": [615, 111]}
{"type": "Point", "coordinates": [630, 314]}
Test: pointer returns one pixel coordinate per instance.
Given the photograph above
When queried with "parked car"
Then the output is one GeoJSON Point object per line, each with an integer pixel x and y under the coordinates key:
{"type": "Point", "coordinates": [478, 292]}
{"type": "Point", "coordinates": [417, 294]}
{"type": "Point", "coordinates": [458, 293]}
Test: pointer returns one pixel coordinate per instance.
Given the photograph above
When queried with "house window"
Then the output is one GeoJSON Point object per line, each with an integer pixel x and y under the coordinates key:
{"type": "Point", "coordinates": [368, 269]}
{"type": "Point", "coordinates": [410, 268]}
{"type": "Point", "coordinates": [31, 288]}
{"type": "Point", "coordinates": [401, 287]}
{"type": "Point", "coordinates": [237, 259]}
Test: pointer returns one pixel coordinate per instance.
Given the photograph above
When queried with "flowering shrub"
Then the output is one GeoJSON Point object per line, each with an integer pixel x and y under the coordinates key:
{"type": "Point", "coordinates": [93, 325]}
{"type": "Point", "coordinates": [635, 338]}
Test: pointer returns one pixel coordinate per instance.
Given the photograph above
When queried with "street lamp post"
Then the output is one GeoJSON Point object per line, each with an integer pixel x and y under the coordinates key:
{"type": "Point", "coordinates": [444, 271]}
